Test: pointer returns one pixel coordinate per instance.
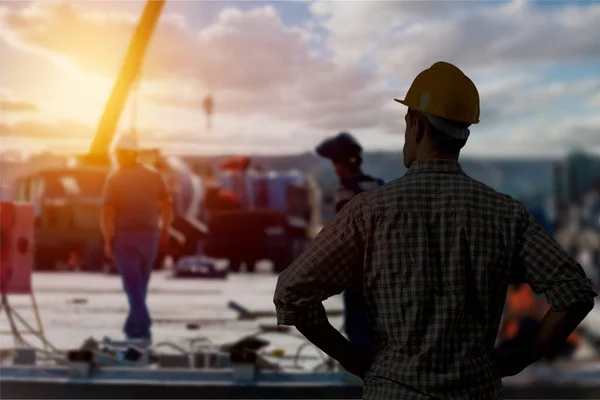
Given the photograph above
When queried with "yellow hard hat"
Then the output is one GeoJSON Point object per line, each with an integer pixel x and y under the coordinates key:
{"type": "Point", "coordinates": [444, 91]}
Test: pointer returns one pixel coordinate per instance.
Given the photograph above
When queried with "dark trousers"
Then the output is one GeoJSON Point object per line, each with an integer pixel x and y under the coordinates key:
{"type": "Point", "coordinates": [356, 322]}
{"type": "Point", "coordinates": [135, 254]}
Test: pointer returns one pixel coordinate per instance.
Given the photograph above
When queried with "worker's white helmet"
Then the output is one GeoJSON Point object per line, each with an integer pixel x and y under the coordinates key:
{"type": "Point", "coordinates": [127, 142]}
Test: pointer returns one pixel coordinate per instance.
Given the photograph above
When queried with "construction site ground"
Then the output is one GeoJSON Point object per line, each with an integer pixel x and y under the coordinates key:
{"type": "Point", "coordinates": [77, 305]}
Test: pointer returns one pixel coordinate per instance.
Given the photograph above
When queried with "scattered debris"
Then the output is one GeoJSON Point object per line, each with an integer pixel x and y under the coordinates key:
{"type": "Point", "coordinates": [192, 326]}
{"type": "Point", "coordinates": [78, 300]}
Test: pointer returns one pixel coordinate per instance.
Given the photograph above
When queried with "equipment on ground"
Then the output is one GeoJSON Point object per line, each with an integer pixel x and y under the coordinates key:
{"type": "Point", "coordinates": [68, 200]}
{"type": "Point", "coordinates": [16, 259]}
{"type": "Point", "coordinates": [242, 369]}
{"type": "Point", "coordinates": [200, 266]}
{"type": "Point", "coordinates": [260, 215]}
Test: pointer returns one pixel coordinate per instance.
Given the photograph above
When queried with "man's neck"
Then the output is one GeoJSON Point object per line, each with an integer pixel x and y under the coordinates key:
{"type": "Point", "coordinates": [438, 156]}
{"type": "Point", "coordinates": [349, 175]}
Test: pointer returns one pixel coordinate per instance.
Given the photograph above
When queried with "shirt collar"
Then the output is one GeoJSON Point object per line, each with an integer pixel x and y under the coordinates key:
{"type": "Point", "coordinates": [448, 166]}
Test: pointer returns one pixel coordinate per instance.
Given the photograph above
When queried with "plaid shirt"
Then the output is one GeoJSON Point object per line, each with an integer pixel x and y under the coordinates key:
{"type": "Point", "coordinates": [435, 251]}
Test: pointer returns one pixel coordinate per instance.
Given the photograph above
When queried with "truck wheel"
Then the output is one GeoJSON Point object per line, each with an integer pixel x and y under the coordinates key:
{"type": "Point", "coordinates": [110, 268]}
{"type": "Point", "coordinates": [234, 265]}
{"type": "Point", "coordinates": [250, 266]}
{"type": "Point", "coordinates": [45, 261]}
{"type": "Point", "coordinates": [94, 258]}
{"type": "Point", "coordinates": [159, 263]}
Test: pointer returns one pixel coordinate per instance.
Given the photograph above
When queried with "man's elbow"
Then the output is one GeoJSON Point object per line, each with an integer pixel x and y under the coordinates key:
{"type": "Point", "coordinates": [279, 297]}
{"type": "Point", "coordinates": [581, 307]}
{"type": "Point", "coordinates": [283, 304]}
{"type": "Point", "coordinates": [576, 295]}
{"type": "Point", "coordinates": [584, 307]}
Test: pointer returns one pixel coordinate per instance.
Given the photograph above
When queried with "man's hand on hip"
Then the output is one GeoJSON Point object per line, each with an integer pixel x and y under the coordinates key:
{"type": "Point", "coordinates": [108, 250]}
{"type": "Point", "coordinates": [507, 364]}
{"type": "Point", "coordinates": [359, 362]}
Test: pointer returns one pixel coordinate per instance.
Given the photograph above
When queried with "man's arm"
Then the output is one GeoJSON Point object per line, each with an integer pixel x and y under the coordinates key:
{"type": "Point", "coordinates": [550, 270]}
{"type": "Point", "coordinates": [166, 205]}
{"type": "Point", "coordinates": [107, 219]}
{"type": "Point", "coordinates": [108, 222]}
{"type": "Point", "coordinates": [332, 263]}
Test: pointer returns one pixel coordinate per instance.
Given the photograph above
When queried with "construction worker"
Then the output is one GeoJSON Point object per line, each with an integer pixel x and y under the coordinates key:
{"type": "Point", "coordinates": [525, 309]}
{"type": "Point", "coordinates": [538, 211]}
{"type": "Point", "coordinates": [435, 251]}
{"type": "Point", "coordinates": [134, 195]}
{"type": "Point", "coordinates": [345, 155]}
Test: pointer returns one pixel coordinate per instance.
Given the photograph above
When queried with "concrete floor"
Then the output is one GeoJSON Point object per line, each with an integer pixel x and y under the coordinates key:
{"type": "Point", "coordinates": [76, 305]}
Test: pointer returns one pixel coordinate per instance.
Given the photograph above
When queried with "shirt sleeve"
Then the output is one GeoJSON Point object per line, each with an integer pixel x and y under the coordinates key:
{"type": "Point", "coordinates": [548, 269]}
{"type": "Point", "coordinates": [332, 263]}
{"type": "Point", "coordinates": [110, 192]}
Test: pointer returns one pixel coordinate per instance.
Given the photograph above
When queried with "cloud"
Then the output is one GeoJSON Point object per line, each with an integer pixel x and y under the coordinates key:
{"type": "Point", "coordinates": [411, 36]}
{"type": "Point", "coordinates": [92, 42]}
{"type": "Point", "coordinates": [577, 133]}
{"type": "Point", "coordinates": [16, 106]}
{"type": "Point", "coordinates": [544, 137]}
{"type": "Point", "coordinates": [594, 101]}
{"type": "Point", "coordinates": [11, 104]}
{"type": "Point", "coordinates": [526, 94]}
{"type": "Point", "coordinates": [355, 28]}
{"type": "Point", "coordinates": [252, 61]}
{"type": "Point", "coordinates": [61, 129]}
{"type": "Point", "coordinates": [290, 85]}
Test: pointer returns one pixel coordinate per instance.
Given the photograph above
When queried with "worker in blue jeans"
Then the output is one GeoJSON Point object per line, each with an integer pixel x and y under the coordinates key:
{"type": "Point", "coordinates": [136, 216]}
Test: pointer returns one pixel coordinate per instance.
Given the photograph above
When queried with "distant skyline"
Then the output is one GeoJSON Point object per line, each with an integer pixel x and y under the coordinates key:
{"type": "Point", "coordinates": [286, 74]}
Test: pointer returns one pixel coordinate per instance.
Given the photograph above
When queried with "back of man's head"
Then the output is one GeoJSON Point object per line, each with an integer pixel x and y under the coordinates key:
{"type": "Point", "coordinates": [127, 150]}
{"type": "Point", "coordinates": [126, 157]}
{"type": "Point", "coordinates": [442, 140]}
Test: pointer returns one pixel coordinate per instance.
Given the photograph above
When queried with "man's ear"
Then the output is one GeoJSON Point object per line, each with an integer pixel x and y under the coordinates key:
{"type": "Point", "coordinates": [420, 127]}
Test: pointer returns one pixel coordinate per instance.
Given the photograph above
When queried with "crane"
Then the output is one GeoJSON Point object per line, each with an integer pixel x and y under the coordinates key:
{"type": "Point", "coordinates": [130, 70]}
{"type": "Point", "coordinates": [55, 241]}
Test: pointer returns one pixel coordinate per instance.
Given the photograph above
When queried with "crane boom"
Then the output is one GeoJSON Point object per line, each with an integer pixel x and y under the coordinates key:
{"type": "Point", "coordinates": [129, 72]}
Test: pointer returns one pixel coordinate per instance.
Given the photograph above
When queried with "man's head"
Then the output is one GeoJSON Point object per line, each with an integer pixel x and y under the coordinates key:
{"type": "Point", "coordinates": [442, 103]}
{"type": "Point", "coordinates": [423, 140]}
{"type": "Point", "coordinates": [344, 152]}
{"type": "Point", "coordinates": [347, 167]}
{"type": "Point", "coordinates": [127, 151]}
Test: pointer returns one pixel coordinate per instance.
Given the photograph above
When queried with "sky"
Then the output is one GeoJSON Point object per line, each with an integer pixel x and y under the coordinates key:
{"type": "Point", "coordinates": [284, 75]}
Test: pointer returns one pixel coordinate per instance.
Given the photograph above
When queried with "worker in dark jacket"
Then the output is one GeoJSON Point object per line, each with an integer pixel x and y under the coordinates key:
{"type": "Point", "coordinates": [345, 154]}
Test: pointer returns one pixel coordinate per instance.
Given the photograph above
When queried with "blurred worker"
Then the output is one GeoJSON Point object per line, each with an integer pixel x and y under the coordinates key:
{"type": "Point", "coordinates": [522, 318]}
{"type": "Point", "coordinates": [435, 251]}
{"type": "Point", "coordinates": [525, 309]}
{"type": "Point", "coordinates": [345, 154]}
{"type": "Point", "coordinates": [538, 211]}
{"type": "Point", "coordinates": [134, 194]}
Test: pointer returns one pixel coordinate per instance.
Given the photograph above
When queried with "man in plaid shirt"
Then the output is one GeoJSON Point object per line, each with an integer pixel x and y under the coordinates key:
{"type": "Point", "coordinates": [435, 251]}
